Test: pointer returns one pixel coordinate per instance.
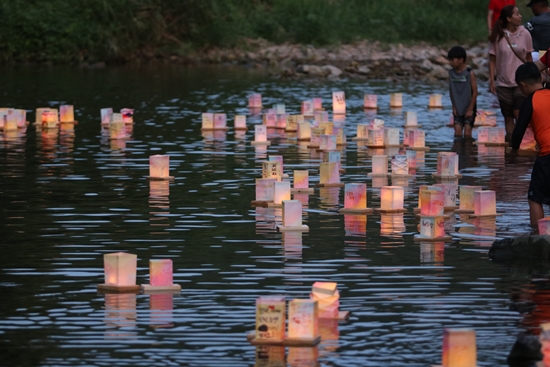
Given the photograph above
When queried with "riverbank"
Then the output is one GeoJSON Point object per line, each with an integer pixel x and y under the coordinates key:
{"type": "Point", "coordinates": [366, 60]}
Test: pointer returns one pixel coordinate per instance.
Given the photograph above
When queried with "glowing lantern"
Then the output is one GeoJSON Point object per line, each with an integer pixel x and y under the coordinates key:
{"type": "Point", "coordinates": [432, 227]}
{"type": "Point", "coordinates": [392, 198]}
{"type": "Point", "coordinates": [327, 296]}
{"type": "Point", "coordinates": [49, 118]}
{"type": "Point", "coordinates": [417, 139]}
{"type": "Point", "coordinates": [159, 167]}
{"type": "Point", "coordinates": [328, 142]}
{"type": "Point", "coordinates": [362, 132]}
{"type": "Point", "coordinates": [376, 138]}
{"type": "Point", "coordinates": [260, 135]}
{"type": "Point", "coordinates": [303, 320]}
{"type": "Point", "coordinates": [66, 113]}
{"type": "Point", "coordinates": [432, 202]}
{"type": "Point", "coordinates": [327, 126]}
{"type": "Point", "coordinates": [240, 122]}
{"type": "Point", "coordinates": [379, 165]}
{"type": "Point", "coordinates": [411, 119]}
{"type": "Point", "coordinates": [39, 114]}
{"type": "Point", "coordinates": [10, 121]}
{"type": "Point", "coordinates": [435, 101]}
{"type": "Point", "coordinates": [459, 348]}
{"type": "Point", "coordinates": [265, 189]}
{"type": "Point", "coordinates": [391, 137]}
{"type": "Point", "coordinates": [281, 192]}
{"type": "Point", "coordinates": [220, 121]}
{"type": "Point", "coordinates": [483, 135]}
{"type": "Point", "coordinates": [447, 164]}
{"type": "Point", "coordinates": [411, 158]}
{"type": "Point", "coordinates": [497, 135]}
{"type": "Point", "coordinates": [293, 121]}
{"type": "Point", "coordinates": [277, 158]}
{"type": "Point", "coordinates": [355, 198]}
{"type": "Point", "coordinates": [161, 277]}
{"type": "Point", "coordinates": [301, 181]}
{"type": "Point", "coordinates": [339, 103]}
{"type": "Point", "coordinates": [282, 120]}
{"type": "Point", "coordinates": [450, 192]}
{"type": "Point", "coordinates": [127, 115]}
{"type": "Point", "coordinates": [270, 319]}
{"type": "Point", "coordinates": [485, 203]}
{"type": "Point", "coordinates": [315, 140]}
{"type": "Point", "coordinates": [370, 101]}
{"type": "Point", "coordinates": [106, 115]}
{"type": "Point", "coordinates": [304, 131]}
{"type": "Point", "coordinates": [117, 130]}
{"type": "Point", "coordinates": [329, 175]}
{"type": "Point", "coordinates": [317, 104]}
{"type": "Point", "coordinates": [466, 198]}
{"type": "Point", "coordinates": [400, 165]}
{"type": "Point", "coordinates": [255, 100]}
{"type": "Point", "coordinates": [307, 108]}
{"type": "Point", "coordinates": [340, 136]}
{"type": "Point", "coordinates": [120, 272]}
{"type": "Point", "coordinates": [396, 100]}
{"type": "Point", "coordinates": [207, 121]}
{"type": "Point", "coordinates": [271, 169]}
{"type": "Point", "coordinates": [292, 217]}
{"type": "Point", "coordinates": [544, 226]}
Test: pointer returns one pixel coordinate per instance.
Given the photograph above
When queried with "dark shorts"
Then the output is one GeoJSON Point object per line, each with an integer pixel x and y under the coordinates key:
{"type": "Point", "coordinates": [461, 120]}
{"type": "Point", "coordinates": [539, 188]}
{"type": "Point", "coordinates": [509, 99]}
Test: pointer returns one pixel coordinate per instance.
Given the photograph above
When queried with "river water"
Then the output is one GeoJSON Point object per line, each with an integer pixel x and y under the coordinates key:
{"type": "Point", "coordinates": [71, 197]}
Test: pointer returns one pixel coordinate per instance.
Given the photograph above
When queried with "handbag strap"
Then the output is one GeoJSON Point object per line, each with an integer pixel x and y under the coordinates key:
{"type": "Point", "coordinates": [513, 50]}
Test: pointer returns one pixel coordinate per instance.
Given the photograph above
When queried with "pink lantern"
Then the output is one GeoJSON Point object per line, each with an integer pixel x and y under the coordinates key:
{"type": "Point", "coordinates": [432, 202]}
{"type": "Point", "coordinates": [265, 188]}
{"type": "Point", "coordinates": [240, 122]}
{"type": "Point", "coordinates": [317, 104]}
{"type": "Point", "coordinates": [292, 217]}
{"type": "Point", "coordinates": [260, 135]}
{"type": "Point", "coordinates": [303, 320]}
{"type": "Point", "coordinates": [339, 103]}
{"type": "Point", "coordinates": [485, 203]}
{"type": "Point", "coordinates": [255, 100]}
{"type": "Point", "coordinates": [207, 121]}
{"type": "Point", "coordinates": [127, 115]}
{"type": "Point", "coordinates": [329, 174]}
{"type": "Point", "coordinates": [370, 101]}
{"type": "Point", "coordinates": [307, 108]}
{"type": "Point", "coordinates": [355, 198]}
{"type": "Point", "coordinates": [159, 167]}
{"type": "Point", "coordinates": [327, 296]}
{"type": "Point", "coordinates": [161, 277]}
{"type": "Point", "coordinates": [106, 115]}
{"type": "Point", "coordinates": [281, 192]}
{"type": "Point", "coordinates": [220, 121]}
{"type": "Point", "coordinates": [66, 113]}
{"type": "Point", "coordinates": [459, 348]}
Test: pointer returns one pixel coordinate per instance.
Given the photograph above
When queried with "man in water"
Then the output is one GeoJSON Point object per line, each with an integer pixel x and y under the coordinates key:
{"type": "Point", "coordinates": [539, 25]}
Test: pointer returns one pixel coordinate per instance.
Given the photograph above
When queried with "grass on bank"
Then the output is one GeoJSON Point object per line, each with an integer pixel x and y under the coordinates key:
{"type": "Point", "coordinates": [119, 30]}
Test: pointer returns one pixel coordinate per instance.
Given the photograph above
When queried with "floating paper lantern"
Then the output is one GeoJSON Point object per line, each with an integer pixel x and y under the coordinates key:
{"type": "Point", "coordinates": [447, 164]}
{"type": "Point", "coordinates": [10, 121]}
{"type": "Point", "coordinates": [370, 101]}
{"type": "Point", "coordinates": [333, 156]}
{"type": "Point", "coordinates": [270, 319]}
{"type": "Point", "coordinates": [240, 122]}
{"type": "Point", "coordinates": [466, 198]}
{"type": "Point", "coordinates": [328, 142]}
{"type": "Point", "coordinates": [450, 193]}
{"type": "Point", "coordinates": [281, 192]}
{"type": "Point", "coordinates": [260, 135]}
{"type": "Point", "coordinates": [379, 165]}
{"type": "Point", "coordinates": [327, 296]}
{"type": "Point", "coordinates": [317, 104]}
{"type": "Point", "coordinates": [272, 169]}
{"type": "Point", "coordinates": [265, 189]}
{"type": "Point", "coordinates": [301, 180]}
{"type": "Point", "coordinates": [39, 114]}
{"type": "Point", "coordinates": [362, 132]}
{"type": "Point", "coordinates": [161, 277]}
{"type": "Point", "coordinates": [376, 138]}
{"type": "Point", "coordinates": [411, 158]}
{"type": "Point", "coordinates": [49, 118]}
{"type": "Point", "coordinates": [411, 119]}
{"type": "Point", "coordinates": [315, 140]}
{"type": "Point", "coordinates": [117, 130]}
{"type": "Point", "coordinates": [120, 272]}
{"type": "Point", "coordinates": [293, 121]}
{"type": "Point", "coordinates": [544, 226]}
{"type": "Point", "coordinates": [392, 198]}
{"type": "Point", "coordinates": [431, 201]}
{"type": "Point", "coordinates": [396, 100]}
{"type": "Point", "coordinates": [270, 120]}
{"type": "Point", "coordinates": [338, 103]}
{"type": "Point", "coordinates": [327, 126]}
{"type": "Point", "coordinates": [66, 113]}
{"type": "Point", "coordinates": [207, 121]}
{"type": "Point", "coordinates": [459, 348]}
{"type": "Point", "coordinates": [303, 320]}
{"type": "Point", "coordinates": [483, 135]}
{"type": "Point", "coordinates": [400, 165]}
{"type": "Point", "coordinates": [417, 139]}
{"type": "Point", "coordinates": [485, 203]}
{"type": "Point", "coordinates": [281, 121]}
{"type": "Point", "coordinates": [159, 167]}
{"type": "Point", "coordinates": [127, 115]}
{"type": "Point", "coordinates": [220, 121]}
{"type": "Point", "coordinates": [292, 217]}
{"type": "Point", "coordinates": [355, 198]}
{"type": "Point", "coordinates": [329, 173]}
{"type": "Point", "coordinates": [304, 131]}
{"type": "Point", "coordinates": [497, 135]}
{"type": "Point", "coordinates": [255, 100]}
{"type": "Point", "coordinates": [340, 136]}
{"type": "Point", "coordinates": [432, 226]}
{"type": "Point", "coordinates": [391, 137]}
{"type": "Point", "coordinates": [435, 101]}
{"type": "Point", "coordinates": [307, 108]}
{"type": "Point", "coordinates": [106, 115]}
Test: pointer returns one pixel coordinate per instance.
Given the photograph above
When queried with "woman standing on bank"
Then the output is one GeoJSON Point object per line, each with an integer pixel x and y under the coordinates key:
{"type": "Point", "coordinates": [511, 46]}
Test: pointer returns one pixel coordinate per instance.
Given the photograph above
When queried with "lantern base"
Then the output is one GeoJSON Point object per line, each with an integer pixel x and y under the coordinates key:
{"type": "Point", "coordinates": [484, 215]}
{"type": "Point", "coordinates": [291, 130]}
{"type": "Point", "coordinates": [260, 203]}
{"type": "Point", "coordinates": [387, 211]}
{"type": "Point", "coordinates": [240, 128]}
{"type": "Point", "coordinates": [412, 126]}
{"type": "Point", "coordinates": [316, 147]}
{"type": "Point", "coordinates": [524, 152]}
{"type": "Point", "coordinates": [120, 138]}
{"type": "Point", "coordinates": [110, 288]}
{"type": "Point", "coordinates": [359, 139]}
{"type": "Point", "coordinates": [302, 191]}
{"type": "Point", "coordinates": [417, 214]}
{"type": "Point", "coordinates": [420, 149]}
{"type": "Point", "coordinates": [148, 288]}
{"type": "Point", "coordinates": [434, 107]}
{"type": "Point", "coordinates": [159, 178]}
{"type": "Point", "coordinates": [419, 238]}
{"type": "Point", "coordinates": [464, 211]}
{"type": "Point", "coordinates": [355, 211]}
{"type": "Point", "coordinates": [376, 146]}
{"type": "Point", "coordinates": [291, 342]}
{"type": "Point", "coordinates": [446, 177]}
{"type": "Point", "coordinates": [304, 139]}
{"type": "Point", "coordinates": [69, 122]}
{"type": "Point", "coordinates": [377, 174]}
{"type": "Point", "coordinates": [302, 228]}
{"type": "Point", "coordinates": [396, 106]}
{"type": "Point", "coordinates": [260, 143]}
{"type": "Point", "coordinates": [338, 184]}
{"type": "Point", "coordinates": [395, 175]}
{"type": "Point", "coordinates": [214, 129]}
{"type": "Point", "coordinates": [450, 208]}
{"type": "Point", "coordinates": [371, 108]}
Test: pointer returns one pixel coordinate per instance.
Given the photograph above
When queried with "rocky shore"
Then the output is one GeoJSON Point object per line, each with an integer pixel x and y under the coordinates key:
{"type": "Point", "coordinates": [367, 60]}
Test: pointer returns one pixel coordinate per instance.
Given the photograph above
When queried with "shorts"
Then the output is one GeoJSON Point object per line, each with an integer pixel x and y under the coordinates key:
{"type": "Point", "coordinates": [539, 188]}
{"type": "Point", "coordinates": [461, 120]}
{"type": "Point", "coordinates": [510, 100]}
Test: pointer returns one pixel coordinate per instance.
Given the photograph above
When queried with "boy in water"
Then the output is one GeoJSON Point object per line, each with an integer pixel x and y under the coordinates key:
{"type": "Point", "coordinates": [463, 91]}
{"type": "Point", "coordinates": [535, 110]}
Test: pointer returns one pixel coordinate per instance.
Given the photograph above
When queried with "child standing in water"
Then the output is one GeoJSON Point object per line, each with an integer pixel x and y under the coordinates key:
{"type": "Point", "coordinates": [463, 92]}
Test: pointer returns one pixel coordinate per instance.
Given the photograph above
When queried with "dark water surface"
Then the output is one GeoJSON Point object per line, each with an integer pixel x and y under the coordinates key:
{"type": "Point", "coordinates": [68, 199]}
